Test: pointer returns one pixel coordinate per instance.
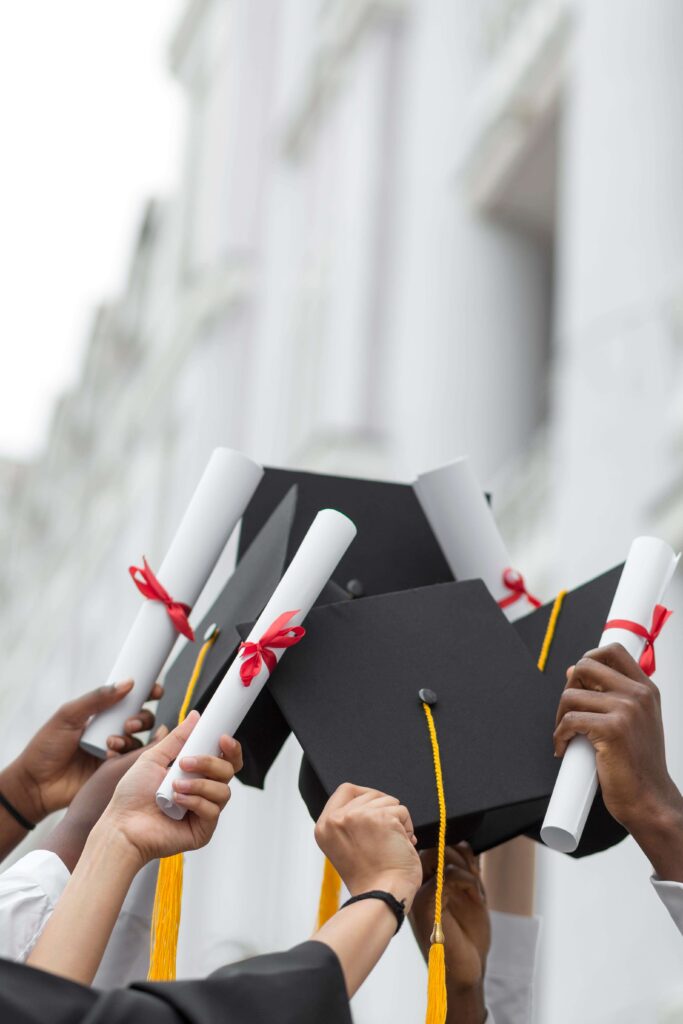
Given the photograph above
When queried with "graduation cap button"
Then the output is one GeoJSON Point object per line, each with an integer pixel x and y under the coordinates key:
{"type": "Point", "coordinates": [355, 588]}
{"type": "Point", "coordinates": [427, 697]}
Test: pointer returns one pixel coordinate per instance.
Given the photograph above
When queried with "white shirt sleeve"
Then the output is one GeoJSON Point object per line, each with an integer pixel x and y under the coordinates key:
{"type": "Point", "coordinates": [29, 891]}
{"type": "Point", "coordinates": [671, 895]}
{"type": "Point", "coordinates": [509, 982]}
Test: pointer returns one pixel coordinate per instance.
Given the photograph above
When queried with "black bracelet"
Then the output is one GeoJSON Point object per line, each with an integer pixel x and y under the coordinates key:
{"type": "Point", "coordinates": [17, 815]}
{"type": "Point", "coordinates": [397, 907]}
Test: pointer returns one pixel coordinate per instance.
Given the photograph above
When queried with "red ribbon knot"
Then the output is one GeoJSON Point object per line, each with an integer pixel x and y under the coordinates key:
{"type": "Point", "coordinates": [150, 588]}
{"type": "Point", "coordinates": [277, 636]}
{"type": "Point", "coordinates": [514, 581]}
{"type": "Point", "coordinates": [659, 619]}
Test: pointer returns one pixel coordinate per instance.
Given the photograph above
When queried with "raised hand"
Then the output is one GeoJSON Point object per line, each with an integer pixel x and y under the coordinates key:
{"type": "Point", "coordinates": [51, 769]}
{"type": "Point", "coordinates": [133, 811]}
{"type": "Point", "coordinates": [465, 922]}
{"type": "Point", "coordinates": [609, 699]}
{"type": "Point", "coordinates": [369, 838]}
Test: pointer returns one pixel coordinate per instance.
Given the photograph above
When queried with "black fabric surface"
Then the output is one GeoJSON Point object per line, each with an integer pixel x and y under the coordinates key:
{"type": "Point", "coordinates": [395, 547]}
{"type": "Point", "coordinates": [302, 986]}
{"type": "Point", "coordinates": [350, 694]}
{"type": "Point", "coordinates": [579, 628]}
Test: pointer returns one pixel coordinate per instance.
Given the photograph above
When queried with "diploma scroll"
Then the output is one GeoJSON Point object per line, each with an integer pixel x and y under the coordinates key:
{"type": "Point", "coordinates": [222, 494]}
{"type": "Point", "coordinates": [645, 576]}
{"type": "Point", "coordinates": [464, 525]}
{"type": "Point", "coordinates": [314, 562]}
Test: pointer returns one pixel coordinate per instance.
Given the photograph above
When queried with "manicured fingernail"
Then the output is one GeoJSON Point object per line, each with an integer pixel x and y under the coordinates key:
{"type": "Point", "coordinates": [188, 763]}
{"type": "Point", "coordinates": [182, 785]}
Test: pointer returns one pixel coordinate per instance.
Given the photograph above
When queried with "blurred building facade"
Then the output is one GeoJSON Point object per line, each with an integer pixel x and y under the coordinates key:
{"type": "Point", "coordinates": [406, 230]}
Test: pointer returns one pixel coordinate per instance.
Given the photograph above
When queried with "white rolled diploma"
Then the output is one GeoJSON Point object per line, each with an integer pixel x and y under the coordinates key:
{"type": "Point", "coordinates": [221, 496]}
{"type": "Point", "coordinates": [645, 576]}
{"type": "Point", "coordinates": [316, 559]}
{"type": "Point", "coordinates": [463, 523]}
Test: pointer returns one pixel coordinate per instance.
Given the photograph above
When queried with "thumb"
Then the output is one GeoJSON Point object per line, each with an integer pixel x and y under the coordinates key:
{"type": "Point", "coordinates": [167, 749]}
{"type": "Point", "coordinates": [75, 713]}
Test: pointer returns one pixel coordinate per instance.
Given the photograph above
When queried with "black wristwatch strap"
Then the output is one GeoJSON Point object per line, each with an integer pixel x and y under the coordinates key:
{"type": "Point", "coordinates": [17, 815]}
{"type": "Point", "coordinates": [398, 907]}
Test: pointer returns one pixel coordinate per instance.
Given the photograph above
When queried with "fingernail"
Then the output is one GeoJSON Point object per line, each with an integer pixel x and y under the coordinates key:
{"type": "Point", "coordinates": [121, 687]}
{"type": "Point", "coordinates": [135, 725]}
{"type": "Point", "coordinates": [115, 742]}
{"type": "Point", "coordinates": [161, 731]}
{"type": "Point", "coordinates": [179, 798]}
{"type": "Point", "coordinates": [189, 763]}
{"type": "Point", "coordinates": [182, 785]}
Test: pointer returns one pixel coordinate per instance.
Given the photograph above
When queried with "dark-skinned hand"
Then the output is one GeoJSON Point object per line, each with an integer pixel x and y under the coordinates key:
{"type": "Point", "coordinates": [52, 768]}
{"type": "Point", "coordinates": [609, 700]}
{"type": "Point", "coordinates": [466, 926]}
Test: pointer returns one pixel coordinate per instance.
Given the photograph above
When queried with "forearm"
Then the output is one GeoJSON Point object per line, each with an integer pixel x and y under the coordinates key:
{"type": "Point", "coordinates": [465, 1006]}
{"type": "Point", "coordinates": [67, 839]}
{"type": "Point", "coordinates": [508, 874]}
{"type": "Point", "coordinates": [75, 937]}
{"type": "Point", "coordinates": [659, 833]}
{"type": "Point", "coordinates": [21, 794]}
{"type": "Point", "coordinates": [359, 935]}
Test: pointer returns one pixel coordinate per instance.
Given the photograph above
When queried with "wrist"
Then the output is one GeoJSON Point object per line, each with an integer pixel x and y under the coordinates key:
{"type": "Point", "coordinates": [388, 881]}
{"type": "Point", "coordinates": [658, 830]}
{"type": "Point", "coordinates": [466, 1003]}
{"type": "Point", "coordinates": [17, 785]}
{"type": "Point", "coordinates": [108, 833]}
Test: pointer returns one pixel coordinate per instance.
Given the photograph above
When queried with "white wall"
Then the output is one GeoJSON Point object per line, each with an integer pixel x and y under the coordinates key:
{"type": "Point", "coordinates": [322, 292]}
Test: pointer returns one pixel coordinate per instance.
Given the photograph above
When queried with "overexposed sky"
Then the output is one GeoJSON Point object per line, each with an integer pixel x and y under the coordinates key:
{"type": "Point", "coordinates": [91, 124]}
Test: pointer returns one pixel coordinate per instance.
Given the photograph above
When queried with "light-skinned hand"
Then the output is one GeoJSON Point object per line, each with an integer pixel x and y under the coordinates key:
{"type": "Point", "coordinates": [369, 838]}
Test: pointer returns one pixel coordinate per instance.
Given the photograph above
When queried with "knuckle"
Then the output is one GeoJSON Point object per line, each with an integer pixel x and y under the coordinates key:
{"type": "Point", "coordinates": [643, 695]}
{"type": "Point", "coordinates": [616, 723]}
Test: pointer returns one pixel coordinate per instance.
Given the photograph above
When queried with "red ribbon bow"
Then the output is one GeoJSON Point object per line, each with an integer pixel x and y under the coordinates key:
{"type": "Point", "coordinates": [278, 635]}
{"type": "Point", "coordinates": [514, 581]}
{"type": "Point", "coordinates": [659, 618]}
{"type": "Point", "coordinates": [150, 588]}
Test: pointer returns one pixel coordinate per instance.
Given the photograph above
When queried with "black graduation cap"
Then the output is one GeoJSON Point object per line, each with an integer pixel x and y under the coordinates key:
{"type": "Point", "coordinates": [395, 547]}
{"type": "Point", "coordinates": [259, 570]}
{"type": "Point", "coordinates": [351, 695]}
{"type": "Point", "coordinates": [578, 629]}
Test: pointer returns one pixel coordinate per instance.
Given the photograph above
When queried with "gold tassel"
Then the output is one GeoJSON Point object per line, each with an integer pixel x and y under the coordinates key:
{"type": "Point", "coordinates": [169, 891]}
{"type": "Point", "coordinates": [437, 1000]}
{"type": "Point", "coordinates": [550, 630]}
{"type": "Point", "coordinates": [330, 892]}
{"type": "Point", "coordinates": [437, 1006]}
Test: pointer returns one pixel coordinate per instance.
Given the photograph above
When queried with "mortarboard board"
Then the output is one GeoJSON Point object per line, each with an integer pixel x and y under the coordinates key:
{"type": "Point", "coordinates": [395, 547]}
{"type": "Point", "coordinates": [582, 616]}
{"type": "Point", "coordinates": [350, 694]}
